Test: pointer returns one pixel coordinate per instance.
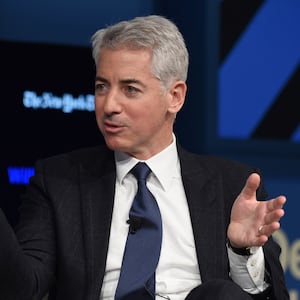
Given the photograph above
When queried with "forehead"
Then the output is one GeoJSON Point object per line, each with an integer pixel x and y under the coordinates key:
{"type": "Point", "coordinates": [125, 62]}
{"type": "Point", "coordinates": [125, 55]}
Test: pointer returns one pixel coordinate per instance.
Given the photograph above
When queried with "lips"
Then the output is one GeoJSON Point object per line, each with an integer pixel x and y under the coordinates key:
{"type": "Point", "coordinates": [112, 127]}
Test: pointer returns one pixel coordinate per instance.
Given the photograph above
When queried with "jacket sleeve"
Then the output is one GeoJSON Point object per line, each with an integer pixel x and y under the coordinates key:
{"type": "Point", "coordinates": [27, 254]}
{"type": "Point", "coordinates": [274, 272]}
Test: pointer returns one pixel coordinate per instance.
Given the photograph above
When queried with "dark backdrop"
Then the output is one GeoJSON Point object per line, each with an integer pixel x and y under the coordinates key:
{"type": "Point", "coordinates": [45, 50]}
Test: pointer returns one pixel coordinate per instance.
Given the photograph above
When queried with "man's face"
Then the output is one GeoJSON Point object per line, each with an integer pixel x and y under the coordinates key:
{"type": "Point", "coordinates": [133, 113]}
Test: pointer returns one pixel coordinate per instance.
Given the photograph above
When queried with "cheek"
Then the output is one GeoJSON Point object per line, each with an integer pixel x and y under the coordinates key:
{"type": "Point", "coordinates": [149, 120]}
{"type": "Point", "coordinates": [98, 108]}
{"type": "Point", "coordinates": [98, 114]}
{"type": "Point", "coordinates": [97, 103]}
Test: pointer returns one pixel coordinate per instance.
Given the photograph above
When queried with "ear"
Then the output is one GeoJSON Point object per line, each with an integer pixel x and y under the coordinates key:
{"type": "Point", "coordinates": [177, 94]}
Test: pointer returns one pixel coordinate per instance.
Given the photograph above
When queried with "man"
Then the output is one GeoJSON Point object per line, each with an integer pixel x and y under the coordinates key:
{"type": "Point", "coordinates": [216, 233]}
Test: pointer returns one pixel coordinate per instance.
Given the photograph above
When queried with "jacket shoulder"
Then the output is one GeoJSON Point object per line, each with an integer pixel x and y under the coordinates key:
{"type": "Point", "coordinates": [91, 158]}
{"type": "Point", "coordinates": [214, 163]}
{"type": "Point", "coordinates": [232, 173]}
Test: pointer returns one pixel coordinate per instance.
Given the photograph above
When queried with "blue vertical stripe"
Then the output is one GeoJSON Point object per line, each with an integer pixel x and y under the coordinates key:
{"type": "Point", "coordinates": [258, 67]}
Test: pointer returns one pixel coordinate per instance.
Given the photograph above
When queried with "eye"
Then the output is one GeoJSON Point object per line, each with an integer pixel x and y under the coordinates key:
{"type": "Point", "coordinates": [131, 90]}
{"type": "Point", "coordinates": [100, 88]}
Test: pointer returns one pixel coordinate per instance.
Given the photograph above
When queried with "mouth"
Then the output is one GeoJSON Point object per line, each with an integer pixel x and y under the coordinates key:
{"type": "Point", "coordinates": [112, 127]}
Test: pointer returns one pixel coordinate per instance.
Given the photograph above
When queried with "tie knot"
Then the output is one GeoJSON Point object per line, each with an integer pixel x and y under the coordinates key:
{"type": "Point", "coordinates": [141, 171]}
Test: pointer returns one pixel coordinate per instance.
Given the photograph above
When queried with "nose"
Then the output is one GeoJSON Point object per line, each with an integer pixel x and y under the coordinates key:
{"type": "Point", "coordinates": [111, 104]}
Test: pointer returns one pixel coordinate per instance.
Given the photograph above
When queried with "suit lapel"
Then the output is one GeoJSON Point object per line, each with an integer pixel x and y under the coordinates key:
{"type": "Point", "coordinates": [97, 190]}
{"type": "Point", "coordinates": [202, 186]}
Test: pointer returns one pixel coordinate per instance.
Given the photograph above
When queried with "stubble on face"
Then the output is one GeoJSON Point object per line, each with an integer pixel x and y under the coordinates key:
{"type": "Point", "coordinates": [132, 110]}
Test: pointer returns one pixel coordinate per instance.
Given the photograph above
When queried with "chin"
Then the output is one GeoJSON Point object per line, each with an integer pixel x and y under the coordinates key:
{"type": "Point", "coordinates": [115, 144]}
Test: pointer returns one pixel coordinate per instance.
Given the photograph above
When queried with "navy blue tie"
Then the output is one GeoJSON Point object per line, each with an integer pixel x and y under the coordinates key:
{"type": "Point", "coordinates": [142, 250]}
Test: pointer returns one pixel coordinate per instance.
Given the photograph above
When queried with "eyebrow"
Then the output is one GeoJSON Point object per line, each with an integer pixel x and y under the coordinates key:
{"type": "Point", "coordinates": [99, 78]}
{"type": "Point", "coordinates": [122, 81]}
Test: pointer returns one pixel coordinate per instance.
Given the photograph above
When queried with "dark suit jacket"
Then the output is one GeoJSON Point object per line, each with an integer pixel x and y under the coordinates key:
{"type": "Point", "coordinates": [62, 239]}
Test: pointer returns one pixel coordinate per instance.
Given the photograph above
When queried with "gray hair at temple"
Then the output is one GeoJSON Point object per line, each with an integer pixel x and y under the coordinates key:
{"type": "Point", "coordinates": [170, 57]}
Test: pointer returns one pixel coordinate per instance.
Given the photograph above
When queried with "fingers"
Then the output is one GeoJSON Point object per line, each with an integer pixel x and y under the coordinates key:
{"type": "Point", "coordinates": [274, 215]}
{"type": "Point", "coordinates": [268, 230]}
{"type": "Point", "coordinates": [272, 218]}
{"type": "Point", "coordinates": [274, 211]}
{"type": "Point", "coordinates": [276, 203]}
{"type": "Point", "coordinates": [252, 184]}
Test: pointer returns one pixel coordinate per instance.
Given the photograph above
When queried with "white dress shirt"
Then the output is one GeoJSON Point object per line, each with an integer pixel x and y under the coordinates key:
{"type": "Point", "coordinates": [177, 272]}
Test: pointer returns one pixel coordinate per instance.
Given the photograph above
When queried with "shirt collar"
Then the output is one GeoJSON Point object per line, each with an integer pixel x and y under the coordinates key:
{"type": "Point", "coordinates": [164, 165]}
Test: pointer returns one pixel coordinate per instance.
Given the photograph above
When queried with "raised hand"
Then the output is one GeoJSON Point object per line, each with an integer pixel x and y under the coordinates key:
{"type": "Point", "coordinates": [253, 221]}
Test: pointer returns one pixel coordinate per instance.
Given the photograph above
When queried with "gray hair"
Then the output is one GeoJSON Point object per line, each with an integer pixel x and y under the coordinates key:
{"type": "Point", "coordinates": [156, 33]}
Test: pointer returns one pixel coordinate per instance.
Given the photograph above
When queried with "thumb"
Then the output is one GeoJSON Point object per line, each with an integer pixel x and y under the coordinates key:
{"type": "Point", "coordinates": [251, 186]}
